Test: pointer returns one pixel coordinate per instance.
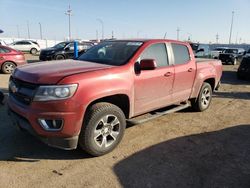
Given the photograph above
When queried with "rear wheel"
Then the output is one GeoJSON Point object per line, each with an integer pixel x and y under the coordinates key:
{"type": "Point", "coordinates": [60, 57]}
{"type": "Point", "coordinates": [103, 129]}
{"type": "Point", "coordinates": [33, 51]}
{"type": "Point", "coordinates": [8, 67]}
{"type": "Point", "coordinates": [204, 99]}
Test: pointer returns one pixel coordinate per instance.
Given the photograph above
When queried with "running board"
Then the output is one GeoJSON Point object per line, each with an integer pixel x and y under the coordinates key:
{"type": "Point", "coordinates": [147, 117]}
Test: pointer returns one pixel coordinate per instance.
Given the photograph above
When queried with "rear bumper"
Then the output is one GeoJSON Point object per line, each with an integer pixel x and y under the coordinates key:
{"type": "Point", "coordinates": [68, 143]}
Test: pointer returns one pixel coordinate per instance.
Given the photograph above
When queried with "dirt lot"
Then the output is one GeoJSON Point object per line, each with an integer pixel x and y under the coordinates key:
{"type": "Point", "coordinates": [184, 149]}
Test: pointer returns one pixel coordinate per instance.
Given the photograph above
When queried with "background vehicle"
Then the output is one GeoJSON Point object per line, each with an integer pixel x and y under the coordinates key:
{"type": "Point", "coordinates": [232, 55]}
{"type": "Point", "coordinates": [217, 51]}
{"type": "Point", "coordinates": [64, 50]}
{"type": "Point", "coordinates": [3, 43]}
{"type": "Point", "coordinates": [26, 46]}
{"type": "Point", "coordinates": [9, 59]}
{"type": "Point", "coordinates": [87, 101]}
{"type": "Point", "coordinates": [201, 50]}
{"type": "Point", "coordinates": [244, 68]}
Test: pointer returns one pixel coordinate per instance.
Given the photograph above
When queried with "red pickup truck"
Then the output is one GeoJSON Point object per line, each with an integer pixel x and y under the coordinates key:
{"type": "Point", "coordinates": [88, 101]}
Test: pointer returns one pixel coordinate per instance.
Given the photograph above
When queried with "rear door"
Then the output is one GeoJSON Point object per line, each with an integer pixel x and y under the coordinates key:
{"type": "Point", "coordinates": [185, 71]}
{"type": "Point", "coordinates": [153, 88]}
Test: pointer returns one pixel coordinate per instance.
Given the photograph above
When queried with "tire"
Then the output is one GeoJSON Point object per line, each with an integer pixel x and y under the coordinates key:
{"type": "Point", "coordinates": [8, 67]}
{"type": "Point", "coordinates": [33, 51]}
{"type": "Point", "coordinates": [204, 99]}
{"type": "Point", "coordinates": [60, 57]}
{"type": "Point", "coordinates": [98, 136]}
{"type": "Point", "coordinates": [235, 62]}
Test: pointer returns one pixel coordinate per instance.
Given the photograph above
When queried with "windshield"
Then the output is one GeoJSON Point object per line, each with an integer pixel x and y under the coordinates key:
{"type": "Point", "coordinates": [235, 51]}
{"type": "Point", "coordinates": [111, 52]}
{"type": "Point", "coordinates": [61, 45]}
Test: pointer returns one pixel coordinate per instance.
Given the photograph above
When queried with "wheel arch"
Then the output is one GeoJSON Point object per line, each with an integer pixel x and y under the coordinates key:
{"type": "Point", "coordinates": [120, 100]}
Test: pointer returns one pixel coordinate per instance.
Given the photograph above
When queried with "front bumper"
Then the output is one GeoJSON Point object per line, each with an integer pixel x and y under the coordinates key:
{"type": "Point", "coordinates": [57, 142]}
{"type": "Point", "coordinates": [44, 57]}
{"type": "Point", "coordinates": [27, 116]}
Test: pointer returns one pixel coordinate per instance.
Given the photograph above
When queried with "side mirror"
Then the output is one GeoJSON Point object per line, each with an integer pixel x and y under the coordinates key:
{"type": "Point", "coordinates": [66, 49]}
{"type": "Point", "coordinates": [148, 64]}
{"type": "Point", "coordinates": [201, 50]}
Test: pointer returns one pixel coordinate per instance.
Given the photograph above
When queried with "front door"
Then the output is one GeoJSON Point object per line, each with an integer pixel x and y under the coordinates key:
{"type": "Point", "coordinates": [153, 88]}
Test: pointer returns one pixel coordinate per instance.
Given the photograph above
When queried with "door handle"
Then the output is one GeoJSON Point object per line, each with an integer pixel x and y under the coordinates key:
{"type": "Point", "coordinates": [190, 70]}
{"type": "Point", "coordinates": [167, 74]}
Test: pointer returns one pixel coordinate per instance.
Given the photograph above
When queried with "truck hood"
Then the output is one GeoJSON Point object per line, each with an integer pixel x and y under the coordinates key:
{"type": "Point", "coordinates": [53, 71]}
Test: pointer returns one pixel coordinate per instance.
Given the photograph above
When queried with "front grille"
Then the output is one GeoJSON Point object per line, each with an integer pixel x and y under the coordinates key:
{"type": "Point", "coordinates": [22, 91]}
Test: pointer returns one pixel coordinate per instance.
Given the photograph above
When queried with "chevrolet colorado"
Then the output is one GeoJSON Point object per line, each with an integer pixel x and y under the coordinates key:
{"type": "Point", "coordinates": [88, 101]}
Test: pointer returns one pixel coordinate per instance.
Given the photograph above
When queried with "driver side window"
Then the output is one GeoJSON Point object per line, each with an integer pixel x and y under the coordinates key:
{"type": "Point", "coordinates": [158, 52]}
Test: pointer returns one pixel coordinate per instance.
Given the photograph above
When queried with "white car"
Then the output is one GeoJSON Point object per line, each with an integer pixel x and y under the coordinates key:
{"type": "Point", "coordinates": [3, 43]}
{"type": "Point", "coordinates": [26, 46]}
{"type": "Point", "coordinates": [216, 52]}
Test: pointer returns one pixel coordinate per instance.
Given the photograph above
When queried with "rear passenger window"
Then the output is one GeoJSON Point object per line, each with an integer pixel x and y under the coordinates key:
{"type": "Point", "coordinates": [158, 52]}
{"type": "Point", "coordinates": [181, 54]}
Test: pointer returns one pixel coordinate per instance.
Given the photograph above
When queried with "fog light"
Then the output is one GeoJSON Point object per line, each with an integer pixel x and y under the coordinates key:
{"type": "Point", "coordinates": [51, 125]}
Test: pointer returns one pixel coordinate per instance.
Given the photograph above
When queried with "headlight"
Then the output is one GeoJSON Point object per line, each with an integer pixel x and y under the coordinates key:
{"type": "Point", "coordinates": [56, 92]}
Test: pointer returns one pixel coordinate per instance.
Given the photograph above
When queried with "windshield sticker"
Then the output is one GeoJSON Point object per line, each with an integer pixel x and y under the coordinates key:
{"type": "Point", "coordinates": [134, 43]}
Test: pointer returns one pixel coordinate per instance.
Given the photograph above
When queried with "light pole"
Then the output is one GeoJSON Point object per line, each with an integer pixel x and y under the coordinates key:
{"type": "Point", "coordinates": [231, 28]}
{"type": "Point", "coordinates": [101, 22]}
{"type": "Point", "coordinates": [178, 32]}
{"type": "Point", "coordinates": [18, 33]}
{"type": "Point", "coordinates": [28, 28]}
{"type": "Point", "coordinates": [165, 35]}
{"type": "Point", "coordinates": [217, 38]}
{"type": "Point", "coordinates": [41, 35]}
{"type": "Point", "coordinates": [69, 14]}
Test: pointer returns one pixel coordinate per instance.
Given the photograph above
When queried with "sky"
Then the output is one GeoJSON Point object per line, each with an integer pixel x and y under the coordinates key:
{"type": "Point", "coordinates": [199, 20]}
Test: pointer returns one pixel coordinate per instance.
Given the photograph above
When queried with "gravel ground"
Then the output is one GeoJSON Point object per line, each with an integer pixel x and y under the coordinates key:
{"type": "Point", "coordinates": [184, 149]}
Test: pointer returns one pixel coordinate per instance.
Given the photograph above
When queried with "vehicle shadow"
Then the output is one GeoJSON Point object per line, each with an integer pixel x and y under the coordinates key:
{"type": "Point", "coordinates": [33, 61]}
{"type": "Point", "coordinates": [233, 95]}
{"type": "Point", "coordinates": [19, 146]}
{"type": "Point", "coordinates": [214, 159]}
{"type": "Point", "coordinates": [230, 77]}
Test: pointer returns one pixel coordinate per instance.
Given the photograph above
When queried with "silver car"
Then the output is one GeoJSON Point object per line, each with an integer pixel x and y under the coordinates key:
{"type": "Point", "coordinates": [26, 46]}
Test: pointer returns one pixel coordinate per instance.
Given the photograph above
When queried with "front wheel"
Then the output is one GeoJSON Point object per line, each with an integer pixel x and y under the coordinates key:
{"type": "Point", "coordinates": [204, 98]}
{"type": "Point", "coordinates": [103, 129]}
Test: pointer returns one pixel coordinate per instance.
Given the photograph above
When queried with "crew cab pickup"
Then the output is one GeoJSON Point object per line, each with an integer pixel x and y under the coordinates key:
{"type": "Point", "coordinates": [88, 101]}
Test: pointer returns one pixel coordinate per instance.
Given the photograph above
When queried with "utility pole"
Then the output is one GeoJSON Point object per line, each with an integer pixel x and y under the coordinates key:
{"type": "Point", "coordinates": [231, 28]}
{"type": "Point", "coordinates": [112, 35]}
{"type": "Point", "coordinates": [97, 37]}
{"type": "Point", "coordinates": [28, 28]}
{"type": "Point", "coordinates": [41, 35]}
{"type": "Point", "coordinates": [101, 22]}
{"type": "Point", "coordinates": [18, 33]}
{"type": "Point", "coordinates": [69, 14]}
{"type": "Point", "coordinates": [217, 38]}
{"type": "Point", "coordinates": [165, 35]}
{"type": "Point", "coordinates": [178, 32]}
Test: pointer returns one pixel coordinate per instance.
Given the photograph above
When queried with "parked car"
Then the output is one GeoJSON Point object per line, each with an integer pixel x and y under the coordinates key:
{"type": "Point", "coordinates": [10, 58]}
{"type": "Point", "coordinates": [64, 50]}
{"type": "Point", "coordinates": [201, 50]}
{"type": "Point", "coordinates": [86, 102]}
{"type": "Point", "coordinates": [3, 43]}
{"type": "Point", "coordinates": [26, 46]}
{"type": "Point", "coordinates": [232, 55]}
{"type": "Point", "coordinates": [244, 68]}
{"type": "Point", "coordinates": [248, 53]}
{"type": "Point", "coordinates": [217, 51]}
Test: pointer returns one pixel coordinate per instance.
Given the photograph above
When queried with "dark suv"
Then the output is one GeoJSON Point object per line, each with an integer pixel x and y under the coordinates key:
{"type": "Point", "coordinates": [244, 68]}
{"type": "Point", "coordinates": [63, 50]}
{"type": "Point", "coordinates": [232, 55]}
{"type": "Point", "coordinates": [201, 50]}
